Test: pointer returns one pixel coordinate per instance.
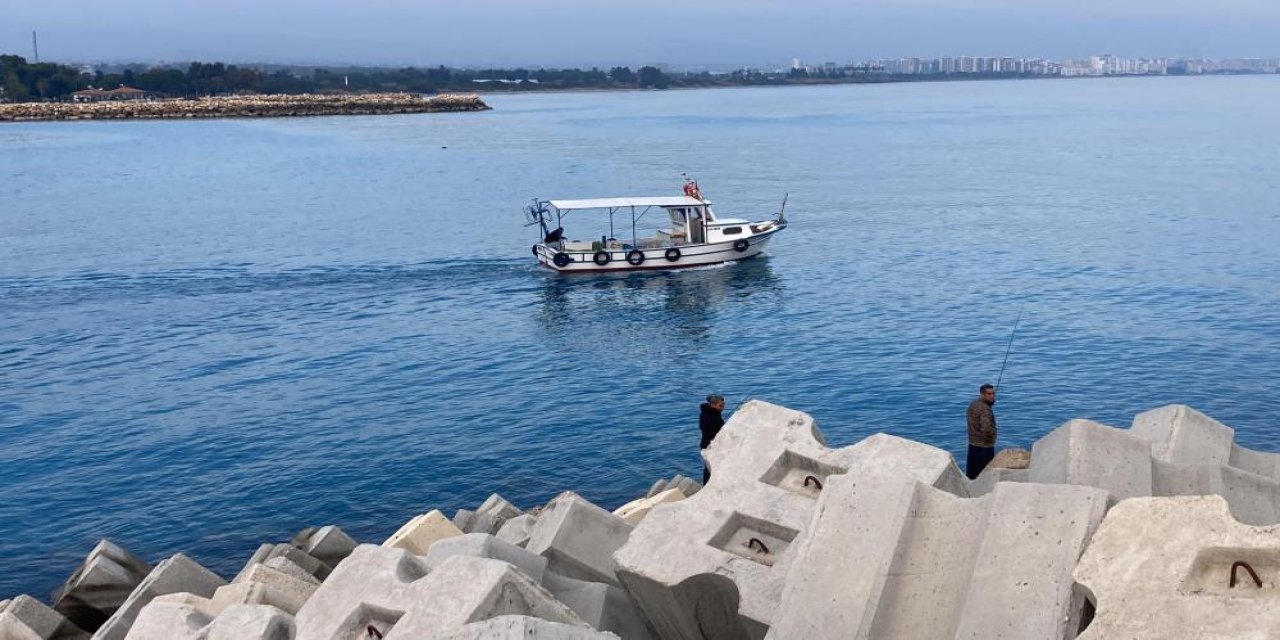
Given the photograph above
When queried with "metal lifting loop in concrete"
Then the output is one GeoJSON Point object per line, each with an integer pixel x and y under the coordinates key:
{"type": "Point", "coordinates": [1241, 563]}
{"type": "Point", "coordinates": [755, 542]}
{"type": "Point", "coordinates": [814, 479]}
{"type": "Point", "coordinates": [373, 632]}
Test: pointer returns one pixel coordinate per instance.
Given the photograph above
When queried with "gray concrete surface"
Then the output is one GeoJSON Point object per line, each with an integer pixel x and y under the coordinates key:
{"type": "Point", "coordinates": [516, 530]}
{"type": "Point", "coordinates": [329, 544]}
{"type": "Point", "coordinates": [463, 590]}
{"type": "Point", "coordinates": [178, 574]}
{"type": "Point", "coordinates": [1160, 569]}
{"type": "Point", "coordinates": [578, 538]}
{"type": "Point", "coordinates": [693, 565]}
{"type": "Point", "coordinates": [888, 557]}
{"type": "Point", "coordinates": [519, 628]}
{"type": "Point", "coordinates": [25, 617]}
{"type": "Point", "coordinates": [1173, 450]}
{"type": "Point", "coordinates": [99, 585]}
{"type": "Point", "coordinates": [418, 533]}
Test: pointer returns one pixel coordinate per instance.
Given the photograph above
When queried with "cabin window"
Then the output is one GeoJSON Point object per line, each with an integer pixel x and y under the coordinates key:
{"type": "Point", "coordinates": [732, 231]}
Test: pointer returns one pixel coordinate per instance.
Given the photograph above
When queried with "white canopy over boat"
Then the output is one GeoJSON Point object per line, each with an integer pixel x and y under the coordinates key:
{"type": "Point", "coordinates": [615, 203]}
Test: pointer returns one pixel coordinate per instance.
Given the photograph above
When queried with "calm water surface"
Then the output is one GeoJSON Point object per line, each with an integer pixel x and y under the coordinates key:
{"type": "Point", "coordinates": [215, 333]}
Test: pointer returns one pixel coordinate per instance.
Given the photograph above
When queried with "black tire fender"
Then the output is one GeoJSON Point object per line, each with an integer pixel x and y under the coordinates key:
{"type": "Point", "coordinates": [635, 257]}
{"type": "Point", "coordinates": [672, 254]}
{"type": "Point", "coordinates": [741, 245]}
{"type": "Point", "coordinates": [561, 259]}
{"type": "Point", "coordinates": [602, 258]}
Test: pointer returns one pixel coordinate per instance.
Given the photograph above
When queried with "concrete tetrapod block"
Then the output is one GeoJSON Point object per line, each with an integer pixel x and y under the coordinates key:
{"type": "Point", "coordinates": [249, 622]}
{"type": "Point", "coordinates": [688, 486]}
{"type": "Point", "coordinates": [294, 555]}
{"type": "Point", "coordinates": [11, 628]}
{"type": "Point", "coordinates": [177, 616]}
{"type": "Point", "coordinates": [1257, 462]}
{"type": "Point", "coordinates": [1083, 452]}
{"type": "Point", "coordinates": [1185, 453]}
{"type": "Point", "coordinates": [603, 606]}
{"type": "Point", "coordinates": [417, 534]}
{"type": "Point", "coordinates": [26, 617]}
{"type": "Point", "coordinates": [1182, 435]}
{"type": "Point", "coordinates": [520, 628]}
{"type": "Point", "coordinates": [718, 560]}
{"type": "Point", "coordinates": [287, 566]}
{"type": "Point", "coordinates": [498, 506]}
{"type": "Point", "coordinates": [464, 589]}
{"type": "Point", "coordinates": [985, 482]}
{"type": "Point", "coordinates": [480, 545]}
{"type": "Point", "coordinates": [99, 585]}
{"type": "Point", "coordinates": [1253, 499]}
{"type": "Point", "coordinates": [635, 511]}
{"type": "Point", "coordinates": [578, 538]}
{"type": "Point", "coordinates": [178, 574]}
{"type": "Point", "coordinates": [892, 558]}
{"type": "Point", "coordinates": [373, 587]}
{"type": "Point", "coordinates": [267, 585]}
{"type": "Point", "coordinates": [329, 545]}
{"type": "Point", "coordinates": [484, 523]}
{"type": "Point", "coordinates": [1160, 569]}
{"type": "Point", "coordinates": [516, 530]}
{"type": "Point", "coordinates": [186, 617]}
{"type": "Point", "coordinates": [463, 519]}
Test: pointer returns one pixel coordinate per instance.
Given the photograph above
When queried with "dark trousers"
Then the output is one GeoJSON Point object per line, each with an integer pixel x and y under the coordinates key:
{"type": "Point", "coordinates": [979, 458]}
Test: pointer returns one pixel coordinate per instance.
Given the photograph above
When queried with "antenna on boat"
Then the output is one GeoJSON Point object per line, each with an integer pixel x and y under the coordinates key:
{"type": "Point", "coordinates": [536, 213]}
{"type": "Point", "coordinates": [782, 213]}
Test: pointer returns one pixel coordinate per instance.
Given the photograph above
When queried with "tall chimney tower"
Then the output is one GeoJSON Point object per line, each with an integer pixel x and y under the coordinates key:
{"type": "Point", "coordinates": [35, 45]}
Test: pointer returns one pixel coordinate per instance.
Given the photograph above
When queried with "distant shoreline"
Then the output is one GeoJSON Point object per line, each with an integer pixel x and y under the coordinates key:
{"type": "Point", "coordinates": [888, 80]}
{"type": "Point", "coordinates": [264, 106]}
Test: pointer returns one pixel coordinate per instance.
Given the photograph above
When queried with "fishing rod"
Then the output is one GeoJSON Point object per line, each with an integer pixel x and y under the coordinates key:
{"type": "Point", "coordinates": [1008, 349]}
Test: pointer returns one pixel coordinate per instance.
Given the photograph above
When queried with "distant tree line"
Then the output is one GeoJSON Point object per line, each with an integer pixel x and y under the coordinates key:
{"type": "Point", "coordinates": [22, 81]}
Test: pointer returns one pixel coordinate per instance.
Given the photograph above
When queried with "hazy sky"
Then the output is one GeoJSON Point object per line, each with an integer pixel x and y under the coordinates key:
{"type": "Point", "coordinates": [633, 32]}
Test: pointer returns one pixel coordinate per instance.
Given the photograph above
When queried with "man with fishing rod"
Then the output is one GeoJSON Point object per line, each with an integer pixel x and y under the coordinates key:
{"type": "Point", "coordinates": [982, 431]}
{"type": "Point", "coordinates": [982, 418]}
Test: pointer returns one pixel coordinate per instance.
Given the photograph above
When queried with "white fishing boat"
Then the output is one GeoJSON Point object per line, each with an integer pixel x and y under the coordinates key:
{"type": "Point", "coordinates": [688, 234]}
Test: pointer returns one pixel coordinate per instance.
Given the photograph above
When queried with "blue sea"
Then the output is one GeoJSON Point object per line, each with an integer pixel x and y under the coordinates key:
{"type": "Point", "coordinates": [215, 333]}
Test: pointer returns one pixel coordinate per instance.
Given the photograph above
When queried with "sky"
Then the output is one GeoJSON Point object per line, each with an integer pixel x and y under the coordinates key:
{"type": "Point", "coordinates": [585, 33]}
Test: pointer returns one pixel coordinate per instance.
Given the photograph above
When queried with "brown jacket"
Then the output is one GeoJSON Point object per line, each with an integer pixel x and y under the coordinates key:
{"type": "Point", "coordinates": [982, 424]}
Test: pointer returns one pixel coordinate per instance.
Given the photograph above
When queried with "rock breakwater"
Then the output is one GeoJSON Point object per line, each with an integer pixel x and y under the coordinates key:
{"type": "Point", "coordinates": [1164, 530]}
{"type": "Point", "coordinates": [265, 106]}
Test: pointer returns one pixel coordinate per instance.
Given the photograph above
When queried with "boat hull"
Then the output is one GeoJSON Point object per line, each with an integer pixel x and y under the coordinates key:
{"type": "Point", "coordinates": [701, 255]}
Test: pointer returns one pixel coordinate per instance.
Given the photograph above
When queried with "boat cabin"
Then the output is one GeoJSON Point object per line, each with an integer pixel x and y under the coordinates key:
{"type": "Point", "coordinates": [680, 221]}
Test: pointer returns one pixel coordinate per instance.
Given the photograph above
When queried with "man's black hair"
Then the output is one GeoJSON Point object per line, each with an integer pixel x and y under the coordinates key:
{"type": "Point", "coordinates": [983, 388]}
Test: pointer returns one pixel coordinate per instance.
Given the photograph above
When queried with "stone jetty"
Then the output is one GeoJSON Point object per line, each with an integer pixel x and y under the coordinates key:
{"type": "Point", "coordinates": [1163, 530]}
{"type": "Point", "coordinates": [266, 106]}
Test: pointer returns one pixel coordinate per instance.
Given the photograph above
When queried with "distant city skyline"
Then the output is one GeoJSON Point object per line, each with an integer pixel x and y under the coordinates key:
{"type": "Point", "coordinates": [580, 33]}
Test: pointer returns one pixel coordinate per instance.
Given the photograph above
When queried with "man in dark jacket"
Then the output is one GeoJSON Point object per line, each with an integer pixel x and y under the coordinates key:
{"type": "Point", "coordinates": [709, 422]}
{"type": "Point", "coordinates": [982, 431]}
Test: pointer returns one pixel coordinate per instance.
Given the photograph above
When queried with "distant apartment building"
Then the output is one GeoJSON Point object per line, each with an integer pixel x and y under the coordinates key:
{"type": "Point", "coordinates": [1104, 65]}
